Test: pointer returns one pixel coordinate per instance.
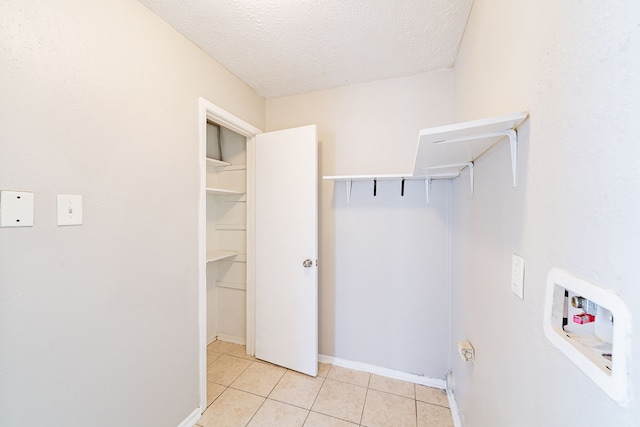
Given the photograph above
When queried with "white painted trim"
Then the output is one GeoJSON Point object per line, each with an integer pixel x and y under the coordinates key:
{"type": "Point", "coordinates": [191, 419]}
{"type": "Point", "coordinates": [210, 111]}
{"type": "Point", "coordinates": [384, 372]}
{"type": "Point", "coordinates": [231, 339]}
{"type": "Point", "coordinates": [453, 405]}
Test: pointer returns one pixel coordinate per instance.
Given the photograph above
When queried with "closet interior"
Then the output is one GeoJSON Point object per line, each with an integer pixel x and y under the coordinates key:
{"type": "Point", "coordinates": [226, 234]}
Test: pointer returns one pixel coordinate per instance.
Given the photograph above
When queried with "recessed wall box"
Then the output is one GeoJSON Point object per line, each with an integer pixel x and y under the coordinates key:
{"type": "Point", "coordinates": [592, 327]}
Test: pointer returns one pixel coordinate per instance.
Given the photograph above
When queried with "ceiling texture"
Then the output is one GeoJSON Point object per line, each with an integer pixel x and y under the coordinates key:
{"type": "Point", "coordinates": [287, 47]}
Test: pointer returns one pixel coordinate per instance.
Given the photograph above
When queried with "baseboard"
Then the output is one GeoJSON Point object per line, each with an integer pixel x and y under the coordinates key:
{"type": "Point", "coordinates": [191, 419]}
{"type": "Point", "coordinates": [453, 405]}
{"type": "Point", "coordinates": [384, 372]}
{"type": "Point", "coordinates": [227, 338]}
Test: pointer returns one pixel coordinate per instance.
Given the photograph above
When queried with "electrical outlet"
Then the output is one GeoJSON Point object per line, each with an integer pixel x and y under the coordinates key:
{"type": "Point", "coordinates": [466, 351]}
{"type": "Point", "coordinates": [517, 276]}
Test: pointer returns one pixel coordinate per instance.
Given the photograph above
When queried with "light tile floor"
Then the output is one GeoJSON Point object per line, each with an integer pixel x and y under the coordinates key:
{"type": "Point", "coordinates": [243, 391]}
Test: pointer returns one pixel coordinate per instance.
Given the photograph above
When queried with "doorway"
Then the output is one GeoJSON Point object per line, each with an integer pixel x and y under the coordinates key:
{"type": "Point", "coordinates": [211, 113]}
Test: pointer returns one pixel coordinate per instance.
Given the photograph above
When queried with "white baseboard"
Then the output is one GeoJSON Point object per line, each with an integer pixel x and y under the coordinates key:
{"type": "Point", "coordinates": [227, 338]}
{"type": "Point", "coordinates": [389, 373]}
{"type": "Point", "coordinates": [191, 419]}
{"type": "Point", "coordinates": [453, 405]}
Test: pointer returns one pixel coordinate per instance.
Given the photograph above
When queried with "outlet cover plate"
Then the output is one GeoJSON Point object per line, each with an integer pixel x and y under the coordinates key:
{"type": "Point", "coordinates": [16, 209]}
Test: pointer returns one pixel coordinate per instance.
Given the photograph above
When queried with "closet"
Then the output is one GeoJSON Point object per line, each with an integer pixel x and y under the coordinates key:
{"type": "Point", "coordinates": [226, 234]}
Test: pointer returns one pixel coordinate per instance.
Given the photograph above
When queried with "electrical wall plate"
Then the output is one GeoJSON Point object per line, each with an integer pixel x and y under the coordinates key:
{"type": "Point", "coordinates": [602, 351]}
{"type": "Point", "coordinates": [16, 209]}
{"type": "Point", "coordinates": [517, 276]}
{"type": "Point", "coordinates": [69, 209]}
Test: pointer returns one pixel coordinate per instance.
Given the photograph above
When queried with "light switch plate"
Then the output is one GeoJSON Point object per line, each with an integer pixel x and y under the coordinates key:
{"type": "Point", "coordinates": [16, 209]}
{"type": "Point", "coordinates": [69, 209]}
{"type": "Point", "coordinates": [517, 276]}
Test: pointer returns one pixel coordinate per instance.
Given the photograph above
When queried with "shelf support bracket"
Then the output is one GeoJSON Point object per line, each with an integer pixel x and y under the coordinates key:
{"type": "Point", "coordinates": [470, 165]}
{"type": "Point", "coordinates": [348, 187]}
{"type": "Point", "coordinates": [513, 141]}
{"type": "Point", "coordinates": [427, 187]}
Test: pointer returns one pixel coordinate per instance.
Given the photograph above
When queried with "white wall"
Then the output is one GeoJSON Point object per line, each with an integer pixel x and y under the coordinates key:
{"type": "Point", "coordinates": [383, 261]}
{"type": "Point", "coordinates": [575, 66]}
{"type": "Point", "coordinates": [98, 323]}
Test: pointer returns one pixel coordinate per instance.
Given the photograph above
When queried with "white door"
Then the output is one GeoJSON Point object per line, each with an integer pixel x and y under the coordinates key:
{"type": "Point", "coordinates": [286, 248]}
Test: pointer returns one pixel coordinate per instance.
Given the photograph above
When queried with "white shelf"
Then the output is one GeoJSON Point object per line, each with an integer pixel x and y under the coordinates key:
{"type": "Point", "coordinates": [453, 147]}
{"type": "Point", "coordinates": [220, 255]}
{"type": "Point", "coordinates": [444, 151]}
{"type": "Point", "coordinates": [388, 177]}
{"type": "Point", "coordinates": [216, 163]}
{"type": "Point", "coordinates": [231, 227]}
{"type": "Point", "coordinates": [222, 191]}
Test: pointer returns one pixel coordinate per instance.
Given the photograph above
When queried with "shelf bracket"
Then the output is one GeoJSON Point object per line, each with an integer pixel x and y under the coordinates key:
{"type": "Point", "coordinates": [513, 141]}
{"type": "Point", "coordinates": [348, 186]}
{"type": "Point", "coordinates": [470, 165]}
{"type": "Point", "coordinates": [427, 187]}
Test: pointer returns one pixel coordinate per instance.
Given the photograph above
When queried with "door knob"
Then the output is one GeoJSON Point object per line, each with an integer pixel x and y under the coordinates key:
{"type": "Point", "coordinates": [307, 263]}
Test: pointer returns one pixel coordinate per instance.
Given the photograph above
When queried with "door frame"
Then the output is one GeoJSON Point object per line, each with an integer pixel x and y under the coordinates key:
{"type": "Point", "coordinates": [209, 111]}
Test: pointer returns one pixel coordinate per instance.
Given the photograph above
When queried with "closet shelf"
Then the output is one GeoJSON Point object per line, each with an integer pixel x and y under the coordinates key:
{"type": "Point", "coordinates": [222, 191]}
{"type": "Point", "coordinates": [231, 227]}
{"type": "Point", "coordinates": [215, 163]}
{"type": "Point", "coordinates": [219, 255]}
{"type": "Point", "coordinates": [444, 151]}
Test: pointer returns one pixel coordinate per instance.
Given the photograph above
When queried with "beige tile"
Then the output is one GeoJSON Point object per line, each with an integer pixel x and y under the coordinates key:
{"type": "Point", "coordinates": [350, 376]}
{"type": "Point", "coordinates": [323, 369]}
{"type": "Point", "coordinates": [212, 356]}
{"type": "Point", "coordinates": [389, 385]}
{"type": "Point", "coordinates": [297, 389]}
{"type": "Point", "coordinates": [226, 347]}
{"type": "Point", "coordinates": [384, 409]}
{"type": "Point", "coordinates": [320, 420]}
{"type": "Point", "coordinates": [239, 351]}
{"type": "Point", "coordinates": [226, 369]}
{"type": "Point", "coordinates": [217, 346]}
{"type": "Point", "coordinates": [213, 391]}
{"type": "Point", "coordinates": [233, 408]}
{"type": "Point", "coordinates": [259, 378]}
{"type": "Point", "coordinates": [433, 415]}
{"type": "Point", "coordinates": [340, 400]}
{"type": "Point", "coordinates": [279, 414]}
{"type": "Point", "coordinates": [432, 395]}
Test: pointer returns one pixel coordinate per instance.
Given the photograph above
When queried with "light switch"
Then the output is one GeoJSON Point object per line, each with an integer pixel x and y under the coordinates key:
{"type": "Point", "coordinates": [517, 276]}
{"type": "Point", "coordinates": [69, 209]}
{"type": "Point", "coordinates": [16, 209]}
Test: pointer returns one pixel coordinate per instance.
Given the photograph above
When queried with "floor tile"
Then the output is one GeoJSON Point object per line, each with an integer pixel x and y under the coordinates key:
{"type": "Point", "coordinates": [390, 385]}
{"type": "Point", "coordinates": [432, 395]}
{"type": "Point", "coordinates": [340, 400]}
{"type": "Point", "coordinates": [323, 369]}
{"type": "Point", "coordinates": [226, 369]}
{"type": "Point", "coordinates": [297, 389]}
{"type": "Point", "coordinates": [320, 420]}
{"type": "Point", "coordinates": [213, 391]}
{"type": "Point", "coordinates": [384, 409]}
{"type": "Point", "coordinates": [259, 378]}
{"type": "Point", "coordinates": [239, 351]}
{"type": "Point", "coordinates": [350, 376]}
{"type": "Point", "coordinates": [212, 356]}
{"type": "Point", "coordinates": [433, 415]}
{"type": "Point", "coordinates": [279, 414]}
{"type": "Point", "coordinates": [232, 409]}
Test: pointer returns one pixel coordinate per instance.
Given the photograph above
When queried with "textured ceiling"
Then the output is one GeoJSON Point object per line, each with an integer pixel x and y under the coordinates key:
{"type": "Point", "coordinates": [285, 47]}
